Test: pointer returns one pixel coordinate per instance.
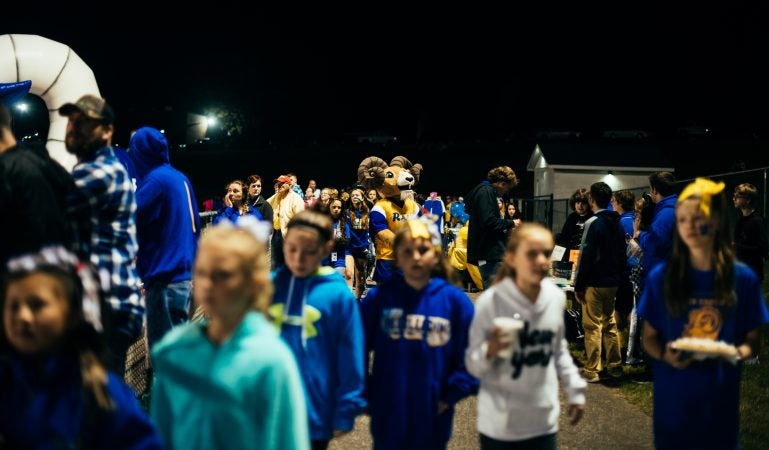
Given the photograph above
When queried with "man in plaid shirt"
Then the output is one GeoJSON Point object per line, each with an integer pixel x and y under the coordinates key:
{"type": "Point", "coordinates": [104, 207]}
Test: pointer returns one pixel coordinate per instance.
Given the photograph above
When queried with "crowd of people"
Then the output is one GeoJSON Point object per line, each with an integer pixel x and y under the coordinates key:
{"type": "Point", "coordinates": [294, 344]}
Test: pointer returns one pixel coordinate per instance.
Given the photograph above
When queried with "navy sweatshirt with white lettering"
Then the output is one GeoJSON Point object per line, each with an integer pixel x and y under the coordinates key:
{"type": "Point", "coordinates": [419, 340]}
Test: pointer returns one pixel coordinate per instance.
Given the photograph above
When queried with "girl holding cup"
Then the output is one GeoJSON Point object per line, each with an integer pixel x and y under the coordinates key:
{"type": "Point", "coordinates": [518, 403]}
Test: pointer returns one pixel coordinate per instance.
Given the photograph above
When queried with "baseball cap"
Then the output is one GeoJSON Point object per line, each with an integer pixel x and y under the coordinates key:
{"type": "Point", "coordinates": [91, 106]}
{"type": "Point", "coordinates": [283, 179]}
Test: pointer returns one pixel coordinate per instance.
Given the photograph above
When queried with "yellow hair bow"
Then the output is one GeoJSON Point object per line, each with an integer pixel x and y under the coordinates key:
{"type": "Point", "coordinates": [705, 189]}
{"type": "Point", "coordinates": [423, 228]}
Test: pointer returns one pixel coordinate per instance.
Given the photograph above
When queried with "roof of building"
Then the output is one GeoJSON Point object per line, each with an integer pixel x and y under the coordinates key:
{"type": "Point", "coordinates": [600, 155]}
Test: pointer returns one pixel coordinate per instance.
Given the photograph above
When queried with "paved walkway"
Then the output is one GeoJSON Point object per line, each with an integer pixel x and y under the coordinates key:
{"type": "Point", "coordinates": [610, 422]}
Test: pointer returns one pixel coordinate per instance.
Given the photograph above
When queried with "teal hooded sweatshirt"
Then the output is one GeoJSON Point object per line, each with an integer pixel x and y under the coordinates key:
{"type": "Point", "coordinates": [244, 394]}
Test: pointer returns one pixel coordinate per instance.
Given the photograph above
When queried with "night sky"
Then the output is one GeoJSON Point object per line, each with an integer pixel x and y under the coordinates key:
{"type": "Point", "coordinates": [436, 75]}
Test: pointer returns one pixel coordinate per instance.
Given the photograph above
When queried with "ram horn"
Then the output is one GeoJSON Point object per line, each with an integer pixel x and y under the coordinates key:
{"type": "Point", "coordinates": [401, 161]}
{"type": "Point", "coordinates": [371, 172]}
{"type": "Point", "coordinates": [416, 171]}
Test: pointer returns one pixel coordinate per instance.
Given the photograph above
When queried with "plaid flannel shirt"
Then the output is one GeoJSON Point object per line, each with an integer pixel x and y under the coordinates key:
{"type": "Point", "coordinates": [103, 207]}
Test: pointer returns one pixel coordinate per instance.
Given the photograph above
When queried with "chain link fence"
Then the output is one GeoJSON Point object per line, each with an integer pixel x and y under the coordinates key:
{"type": "Point", "coordinates": [553, 212]}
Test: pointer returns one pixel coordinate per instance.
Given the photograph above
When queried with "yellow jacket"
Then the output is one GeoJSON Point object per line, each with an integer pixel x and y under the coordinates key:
{"type": "Point", "coordinates": [458, 257]}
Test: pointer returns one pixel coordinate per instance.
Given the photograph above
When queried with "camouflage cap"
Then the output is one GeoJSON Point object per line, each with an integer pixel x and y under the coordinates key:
{"type": "Point", "coordinates": [92, 107]}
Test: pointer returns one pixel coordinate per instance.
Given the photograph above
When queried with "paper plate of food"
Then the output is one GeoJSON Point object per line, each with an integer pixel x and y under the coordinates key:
{"type": "Point", "coordinates": [701, 348]}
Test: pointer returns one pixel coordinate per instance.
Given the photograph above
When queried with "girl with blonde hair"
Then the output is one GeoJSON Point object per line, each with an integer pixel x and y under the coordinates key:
{"type": "Point", "coordinates": [205, 370]}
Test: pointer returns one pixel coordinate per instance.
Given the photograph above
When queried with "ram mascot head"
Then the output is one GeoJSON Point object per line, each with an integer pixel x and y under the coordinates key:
{"type": "Point", "coordinates": [394, 181]}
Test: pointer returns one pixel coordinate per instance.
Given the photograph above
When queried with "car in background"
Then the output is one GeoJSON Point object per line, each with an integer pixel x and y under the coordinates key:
{"type": "Point", "coordinates": [559, 134]}
{"type": "Point", "coordinates": [375, 137]}
{"type": "Point", "coordinates": [695, 131]}
{"type": "Point", "coordinates": [625, 134]}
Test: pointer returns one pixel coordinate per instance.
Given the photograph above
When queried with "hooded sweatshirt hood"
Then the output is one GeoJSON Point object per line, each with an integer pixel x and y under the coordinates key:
{"type": "Point", "coordinates": [292, 308]}
{"type": "Point", "coordinates": [149, 149]}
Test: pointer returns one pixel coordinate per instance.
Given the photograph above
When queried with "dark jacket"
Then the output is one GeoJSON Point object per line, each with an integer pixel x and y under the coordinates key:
{"type": "Point", "coordinates": [750, 242]}
{"type": "Point", "coordinates": [264, 208]}
{"type": "Point", "coordinates": [602, 258]}
{"type": "Point", "coordinates": [32, 209]}
{"type": "Point", "coordinates": [488, 230]}
{"type": "Point", "coordinates": [570, 236]}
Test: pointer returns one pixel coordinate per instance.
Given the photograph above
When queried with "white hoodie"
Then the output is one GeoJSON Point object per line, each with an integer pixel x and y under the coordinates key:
{"type": "Point", "coordinates": [518, 398]}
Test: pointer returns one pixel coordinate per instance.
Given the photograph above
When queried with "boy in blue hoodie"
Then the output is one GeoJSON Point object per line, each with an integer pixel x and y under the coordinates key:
{"type": "Point", "coordinates": [167, 228]}
{"type": "Point", "coordinates": [318, 317]}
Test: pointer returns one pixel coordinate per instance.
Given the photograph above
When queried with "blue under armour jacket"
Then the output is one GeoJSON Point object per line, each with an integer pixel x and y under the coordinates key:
{"type": "Point", "coordinates": [318, 318]}
{"type": "Point", "coordinates": [167, 220]}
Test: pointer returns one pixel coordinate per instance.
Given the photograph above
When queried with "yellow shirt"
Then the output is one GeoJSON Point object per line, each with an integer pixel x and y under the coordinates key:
{"type": "Point", "coordinates": [386, 215]}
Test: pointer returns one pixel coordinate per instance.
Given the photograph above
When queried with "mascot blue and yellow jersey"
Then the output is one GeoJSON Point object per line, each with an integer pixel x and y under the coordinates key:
{"type": "Point", "coordinates": [386, 215]}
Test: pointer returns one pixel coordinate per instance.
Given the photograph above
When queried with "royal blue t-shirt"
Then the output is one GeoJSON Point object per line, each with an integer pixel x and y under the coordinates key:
{"type": "Point", "coordinates": [698, 407]}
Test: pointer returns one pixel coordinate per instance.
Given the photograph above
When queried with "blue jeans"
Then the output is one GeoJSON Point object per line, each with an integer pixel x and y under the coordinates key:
{"type": "Point", "coordinates": [488, 271]}
{"type": "Point", "coordinates": [168, 305]}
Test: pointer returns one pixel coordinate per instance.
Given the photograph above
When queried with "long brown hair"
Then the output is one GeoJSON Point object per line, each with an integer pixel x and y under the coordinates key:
{"type": "Point", "coordinates": [80, 338]}
{"type": "Point", "coordinates": [244, 203]}
{"type": "Point", "coordinates": [363, 208]}
{"type": "Point", "coordinates": [678, 283]}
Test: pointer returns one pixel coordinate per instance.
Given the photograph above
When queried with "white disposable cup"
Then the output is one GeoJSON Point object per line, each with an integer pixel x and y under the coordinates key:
{"type": "Point", "coordinates": [510, 328]}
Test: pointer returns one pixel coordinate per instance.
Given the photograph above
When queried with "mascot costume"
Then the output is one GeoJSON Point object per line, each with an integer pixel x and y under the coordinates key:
{"type": "Point", "coordinates": [394, 182]}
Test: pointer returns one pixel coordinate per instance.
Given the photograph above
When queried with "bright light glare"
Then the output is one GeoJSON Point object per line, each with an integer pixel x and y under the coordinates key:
{"type": "Point", "coordinates": [611, 180]}
{"type": "Point", "coordinates": [22, 107]}
{"type": "Point", "coordinates": [211, 120]}
{"type": "Point", "coordinates": [163, 131]}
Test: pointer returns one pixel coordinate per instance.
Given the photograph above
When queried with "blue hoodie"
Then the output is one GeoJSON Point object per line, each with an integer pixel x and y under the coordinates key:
{"type": "Point", "coordinates": [419, 340]}
{"type": "Point", "coordinates": [657, 241]}
{"type": "Point", "coordinates": [328, 347]}
{"type": "Point", "coordinates": [43, 406]}
{"type": "Point", "coordinates": [167, 220]}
